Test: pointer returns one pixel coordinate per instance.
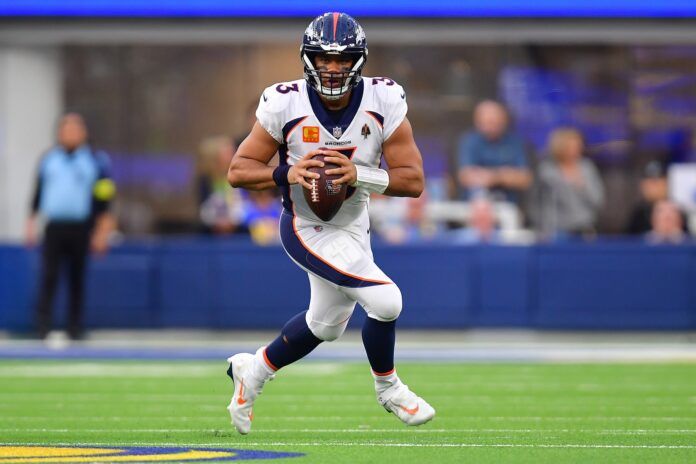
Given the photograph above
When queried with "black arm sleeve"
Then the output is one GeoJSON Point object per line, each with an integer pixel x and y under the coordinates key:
{"type": "Point", "coordinates": [37, 194]}
{"type": "Point", "coordinates": [99, 207]}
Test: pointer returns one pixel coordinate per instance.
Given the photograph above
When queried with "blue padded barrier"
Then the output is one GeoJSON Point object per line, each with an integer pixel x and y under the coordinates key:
{"type": "Point", "coordinates": [18, 283]}
{"type": "Point", "coordinates": [209, 283]}
{"type": "Point", "coordinates": [120, 290]}
{"type": "Point", "coordinates": [257, 287]}
{"type": "Point", "coordinates": [615, 286]}
{"type": "Point", "coordinates": [437, 284]}
{"type": "Point", "coordinates": [505, 285]}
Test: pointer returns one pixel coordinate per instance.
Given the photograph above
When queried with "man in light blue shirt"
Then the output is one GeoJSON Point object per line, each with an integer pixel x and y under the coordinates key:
{"type": "Point", "coordinates": [73, 194]}
{"type": "Point", "coordinates": [491, 158]}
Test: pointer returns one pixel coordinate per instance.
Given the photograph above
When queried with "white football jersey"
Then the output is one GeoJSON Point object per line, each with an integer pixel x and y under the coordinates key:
{"type": "Point", "coordinates": [294, 116]}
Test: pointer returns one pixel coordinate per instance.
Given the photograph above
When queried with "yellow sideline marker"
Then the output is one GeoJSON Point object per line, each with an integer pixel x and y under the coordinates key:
{"type": "Point", "coordinates": [51, 454]}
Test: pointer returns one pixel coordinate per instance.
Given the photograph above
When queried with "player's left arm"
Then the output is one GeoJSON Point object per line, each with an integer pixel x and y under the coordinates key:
{"type": "Point", "coordinates": [403, 158]}
{"type": "Point", "coordinates": [404, 177]}
{"type": "Point", "coordinates": [103, 194]}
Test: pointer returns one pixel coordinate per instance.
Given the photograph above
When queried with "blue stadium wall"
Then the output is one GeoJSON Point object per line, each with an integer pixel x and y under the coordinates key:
{"type": "Point", "coordinates": [229, 285]}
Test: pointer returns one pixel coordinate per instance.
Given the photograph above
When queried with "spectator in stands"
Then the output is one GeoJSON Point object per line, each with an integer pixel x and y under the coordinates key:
{"type": "Point", "coordinates": [481, 225]}
{"type": "Point", "coordinates": [667, 226]}
{"type": "Point", "coordinates": [404, 220]}
{"type": "Point", "coordinates": [653, 188]}
{"type": "Point", "coordinates": [220, 206]}
{"type": "Point", "coordinates": [569, 189]}
{"type": "Point", "coordinates": [73, 193]}
{"type": "Point", "coordinates": [491, 157]}
{"type": "Point", "coordinates": [261, 215]}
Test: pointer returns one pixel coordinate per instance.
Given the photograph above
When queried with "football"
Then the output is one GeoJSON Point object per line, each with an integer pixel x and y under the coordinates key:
{"type": "Point", "coordinates": [325, 198]}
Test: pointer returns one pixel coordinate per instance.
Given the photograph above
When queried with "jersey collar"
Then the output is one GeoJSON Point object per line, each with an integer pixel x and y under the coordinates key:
{"type": "Point", "coordinates": [325, 119]}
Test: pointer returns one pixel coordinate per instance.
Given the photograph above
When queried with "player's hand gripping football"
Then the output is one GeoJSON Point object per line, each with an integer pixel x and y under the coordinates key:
{"type": "Point", "coordinates": [299, 172]}
{"type": "Point", "coordinates": [346, 169]}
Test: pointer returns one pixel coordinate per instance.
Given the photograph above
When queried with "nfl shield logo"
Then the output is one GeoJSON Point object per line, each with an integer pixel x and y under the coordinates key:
{"type": "Point", "coordinates": [337, 132]}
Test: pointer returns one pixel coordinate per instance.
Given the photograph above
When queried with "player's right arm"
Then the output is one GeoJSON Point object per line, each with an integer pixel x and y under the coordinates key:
{"type": "Point", "coordinates": [30, 231]}
{"type": "Point", "coordinates": [249, 168]}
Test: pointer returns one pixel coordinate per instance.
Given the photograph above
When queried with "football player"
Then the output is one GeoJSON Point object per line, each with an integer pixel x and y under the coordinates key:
{"type": "Point", "coordinates": [355, 120]}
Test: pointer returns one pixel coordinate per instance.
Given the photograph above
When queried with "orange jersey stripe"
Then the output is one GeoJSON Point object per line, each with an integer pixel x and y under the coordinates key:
{"type": "Point", "coordinates": [292, 129]}
{"type": "Point", "coordinates": [297, 234]}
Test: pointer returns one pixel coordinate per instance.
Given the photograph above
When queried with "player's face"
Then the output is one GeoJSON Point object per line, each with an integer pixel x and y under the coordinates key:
{"type": "Point", "coordinates": [334, 69]}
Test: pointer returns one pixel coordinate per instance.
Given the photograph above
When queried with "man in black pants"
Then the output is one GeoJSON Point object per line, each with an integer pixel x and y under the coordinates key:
{"type": "Point", "coordinates": [73, 193]}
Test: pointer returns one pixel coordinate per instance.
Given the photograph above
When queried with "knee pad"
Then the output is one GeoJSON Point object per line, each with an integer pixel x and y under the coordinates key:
{"type": "Point", "coordinates": [383, 302]}
{"type": "Point", "coordinates": [327, 333]}
{"type": "Point", "coordinates": [331, 324]}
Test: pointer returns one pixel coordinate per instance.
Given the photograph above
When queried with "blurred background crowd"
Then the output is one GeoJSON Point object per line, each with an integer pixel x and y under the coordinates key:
{"type": "Point", "coordinates": [519, 143]}
{"type": "Point", "coordinates": [531, 142]}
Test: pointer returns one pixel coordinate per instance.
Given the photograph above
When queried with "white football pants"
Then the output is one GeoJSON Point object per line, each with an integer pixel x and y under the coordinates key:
{"type": "Point", "coordinates": [341, 272]}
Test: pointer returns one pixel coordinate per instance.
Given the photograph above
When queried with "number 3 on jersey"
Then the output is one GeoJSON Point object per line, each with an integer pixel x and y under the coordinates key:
{"type": "Point", "coordinates": [282, 88]}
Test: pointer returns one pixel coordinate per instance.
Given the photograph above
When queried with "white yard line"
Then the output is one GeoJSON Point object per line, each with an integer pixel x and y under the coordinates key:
{"type": "Point", "coordinates": [360, 430]}
{"type": "Point", "coordinates": [369, 417]}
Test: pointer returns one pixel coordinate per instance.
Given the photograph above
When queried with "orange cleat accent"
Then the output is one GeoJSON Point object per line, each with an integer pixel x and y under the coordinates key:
{"type": "Point", "coordinates": [240, 398]}
{"type": "Point", "coordinates": [411, 411]}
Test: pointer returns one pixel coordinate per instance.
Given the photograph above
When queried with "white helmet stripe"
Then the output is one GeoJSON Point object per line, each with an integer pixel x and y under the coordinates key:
{"type": "Point", "coordinates": [358, 64]}
{"type": "Point", "coordinates": [308, 62]}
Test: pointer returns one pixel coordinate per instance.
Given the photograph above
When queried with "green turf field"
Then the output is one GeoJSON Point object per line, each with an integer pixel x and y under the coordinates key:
{"type": "Point", "coordinates": [535, 413]}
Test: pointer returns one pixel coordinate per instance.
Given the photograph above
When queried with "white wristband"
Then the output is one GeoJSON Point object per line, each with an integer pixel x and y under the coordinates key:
{"type": "Point", "coordinates": [371, 179]}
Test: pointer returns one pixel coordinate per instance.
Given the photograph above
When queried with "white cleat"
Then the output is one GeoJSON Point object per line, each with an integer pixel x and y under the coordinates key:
{"type": "Point", "coordinates": [246, 389]}
{"type": "Point", "coordinates": [410, 408]}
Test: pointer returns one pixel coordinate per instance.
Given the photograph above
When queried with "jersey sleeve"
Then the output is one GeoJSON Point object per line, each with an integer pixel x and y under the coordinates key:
{"type": "Point", "coordinates": [271, 111]}
{"type": "Point", "coordinates": [393, 102]}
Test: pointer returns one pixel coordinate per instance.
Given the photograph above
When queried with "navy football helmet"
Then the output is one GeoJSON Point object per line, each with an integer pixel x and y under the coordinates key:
{"type": "Point", "coordinates": [333, 34]}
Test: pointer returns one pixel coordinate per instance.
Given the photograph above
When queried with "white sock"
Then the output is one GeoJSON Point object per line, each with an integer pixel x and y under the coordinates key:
{"type": "Point", "coordinates": [382, 382]}
{"type": "Point", "coordinates": [260, 368]}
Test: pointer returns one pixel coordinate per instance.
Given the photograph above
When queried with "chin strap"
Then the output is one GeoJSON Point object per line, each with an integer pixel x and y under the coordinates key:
{"type": "Point", "coordinates": [371, 179]}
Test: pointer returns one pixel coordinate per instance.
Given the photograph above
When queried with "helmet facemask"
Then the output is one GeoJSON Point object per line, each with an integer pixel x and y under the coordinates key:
{"type": "Point", "coordinates": [346, 80]}
{"type": "Point", "coordinates": [333, 34]}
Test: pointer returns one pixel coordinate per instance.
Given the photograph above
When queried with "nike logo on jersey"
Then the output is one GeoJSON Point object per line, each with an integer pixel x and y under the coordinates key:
{"type": "Point", "coordinates": [403, 96]}
{"type": "Point", "coordinates": [264, 97]}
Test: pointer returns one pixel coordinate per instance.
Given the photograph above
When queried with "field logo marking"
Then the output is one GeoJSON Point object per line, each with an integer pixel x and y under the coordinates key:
{"type": "Point", "coordinates": [12, 454]}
